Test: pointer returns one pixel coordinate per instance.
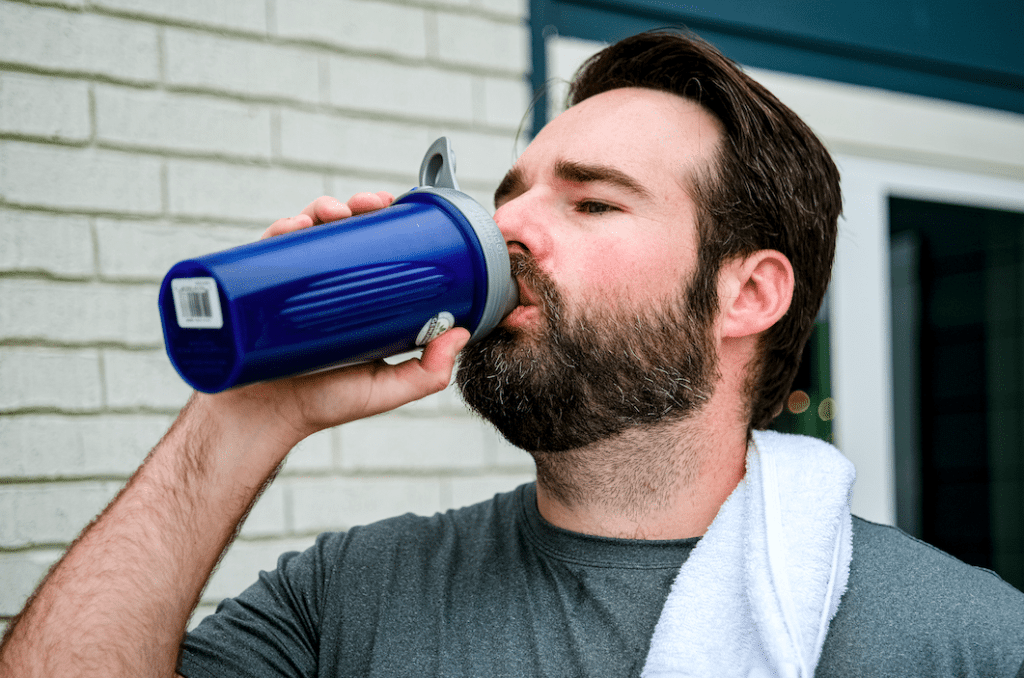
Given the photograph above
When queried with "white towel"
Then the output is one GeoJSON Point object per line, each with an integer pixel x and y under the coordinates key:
{"type": "Point", "coordinates": [756, 596]}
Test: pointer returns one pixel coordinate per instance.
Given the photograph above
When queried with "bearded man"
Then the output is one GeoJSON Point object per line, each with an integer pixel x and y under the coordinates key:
{"type": "Point", "coordinates": [672, 235]}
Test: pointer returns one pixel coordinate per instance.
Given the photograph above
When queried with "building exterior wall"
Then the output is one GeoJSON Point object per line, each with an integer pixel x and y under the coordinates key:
{"type": "Point", "coordinates": [135, 133]}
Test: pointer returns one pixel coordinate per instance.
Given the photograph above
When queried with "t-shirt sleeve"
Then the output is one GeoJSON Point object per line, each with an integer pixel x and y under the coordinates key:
{"type": "Point", "coordinates": [272, 628]}
{"type": "Point", "coordinates": [913, 610]}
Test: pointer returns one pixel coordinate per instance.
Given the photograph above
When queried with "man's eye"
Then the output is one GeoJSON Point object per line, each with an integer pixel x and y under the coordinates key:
{"type": "Point", "coordinates": [593, 207]}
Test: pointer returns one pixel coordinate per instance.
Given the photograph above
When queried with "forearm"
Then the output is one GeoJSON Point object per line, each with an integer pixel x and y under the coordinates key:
{"type": "Point", "coordinates": [119, 601]}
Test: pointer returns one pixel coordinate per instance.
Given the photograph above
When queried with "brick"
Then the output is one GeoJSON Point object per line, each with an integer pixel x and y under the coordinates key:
{"type": "Point", "coordinates": [517, 9]}
{"type": "Point", "coordinates": [199, 614]}
{"type": "Point", "coordinates": [79, 312]}
{"type": "Point", "coordinates": [146, 250]}
{"type": "Point", "coordinates": [483, 157]}
{"type": "Point", "coordinates": [243, 15]}
{"type": "Point", "coordinates": [241, 66]}
{"type": "Point", "coordinates": [21, 573]}
{"type": "Point", "coordinates": [505, 102]}
{"type": "Point", "coordinates": [457, 4]}
{"type": "Point", "coordinates": [48, 514]}
{"type": "Point", "coordinates": [57, 244]}
{"type": "Point", "coordinates": [444, 402]}
{"type": "Point", "coordinates": [56, 39]}
{"type": "Point", "coordinates": [469, 491]}
{"type": "Point", "coordinates": [49, 377]}
{"type": "Point", "coordinates": [267, 517]}
{"type": "Point", "coordinates": [57, 446]}
{"type": "Point", "coordinates": [314, 453]}
{"type": "Point", "coordinates": [79, 178]}
{"type": "Point", "coordinates": [196, 124]}
{"type": "Point", "coordinates": [343, 187]}
{"type": "Point", "coordinates": [482, 43]}
{"type": "Point", "coordinates": [258, 194]}
{"type": "Point", "coordinates": [61, 3]}
{"type": "Point", "coordinates": [243, 562]}
{"type": "Point", "coordinates": [339, 503]}
{"type": "Point", "coordinates": [367, 145]}
{"type": "Point", "coordinates": [353, 24]}
{"type": "Point", "coordinates": [142, 379]}
{"type": "Point", "coordinates": [392, 442]}
{"type": "Point", "coordinates": [415, 91]}
{"type": "Point", "coordinates": [52, 108]}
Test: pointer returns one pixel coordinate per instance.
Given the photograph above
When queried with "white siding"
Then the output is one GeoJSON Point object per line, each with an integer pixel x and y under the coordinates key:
{"type": "Point", "coordinates": [135, 133]}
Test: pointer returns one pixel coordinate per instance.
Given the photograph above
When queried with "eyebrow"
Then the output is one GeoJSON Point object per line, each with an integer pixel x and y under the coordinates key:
{"type": "Point", "coordinates": [583, 173]}
{"type": "Point", "coordinates": [512, 185]}
{"type": "Point", "coordinates": [572, 171]}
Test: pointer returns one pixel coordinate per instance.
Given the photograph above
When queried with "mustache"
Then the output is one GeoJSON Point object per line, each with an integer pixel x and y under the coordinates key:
{"type": "Point", "coordinates": [528, 273]}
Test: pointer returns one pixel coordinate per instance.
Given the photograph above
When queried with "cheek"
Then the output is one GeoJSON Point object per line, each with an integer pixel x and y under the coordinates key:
{"type": "Point", "coordinates": [631, 276]}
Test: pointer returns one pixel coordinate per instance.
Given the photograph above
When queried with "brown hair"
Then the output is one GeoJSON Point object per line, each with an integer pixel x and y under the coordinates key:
{"type": "Point", "coordinates": [775, 187]}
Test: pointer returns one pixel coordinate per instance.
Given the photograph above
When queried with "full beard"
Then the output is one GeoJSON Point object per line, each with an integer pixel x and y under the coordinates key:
{"type": "Point", "coordinates": [593, 376]}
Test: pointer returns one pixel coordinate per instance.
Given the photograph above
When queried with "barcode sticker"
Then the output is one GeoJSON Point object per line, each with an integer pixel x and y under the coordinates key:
{"type": "Point", "coordinates": [196, 303]}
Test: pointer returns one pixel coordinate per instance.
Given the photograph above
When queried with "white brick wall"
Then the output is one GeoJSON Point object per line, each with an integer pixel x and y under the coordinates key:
{"type": "Point", "coordinates": [135, 133]}
{"type": "Point", "coordinates": [378, 27]}
{"type": "Point", "coordinates": [44, 107]}
{"type": "Point", "coordinates": [86, 44]}
{"type": "Point", "coordinates": [205, 125]}
{"type": "Point", "coordinates": [252, 69]}
{"type": "Point", "coordinates": [83, 179]}
{"type": "Point", "coordinates": [55, 244]}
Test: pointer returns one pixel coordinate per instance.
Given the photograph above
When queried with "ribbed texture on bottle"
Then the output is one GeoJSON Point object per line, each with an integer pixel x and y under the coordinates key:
{"type": "Point", "coordinates": [363, 296]}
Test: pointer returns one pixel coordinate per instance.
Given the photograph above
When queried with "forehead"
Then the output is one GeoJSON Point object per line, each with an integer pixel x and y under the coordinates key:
{"type": "Point", "coordinates": [648, 134]}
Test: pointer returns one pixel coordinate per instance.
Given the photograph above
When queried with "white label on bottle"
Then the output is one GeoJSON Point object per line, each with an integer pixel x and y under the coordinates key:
{"type": "Point", "coordinates": [436, 326]}
{"type": "Point", "coordinates": [197, 304]}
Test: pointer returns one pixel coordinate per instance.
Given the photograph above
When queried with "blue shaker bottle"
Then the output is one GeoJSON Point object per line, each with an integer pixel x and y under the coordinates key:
{"type": "Point", "coordinates": [366, 287]}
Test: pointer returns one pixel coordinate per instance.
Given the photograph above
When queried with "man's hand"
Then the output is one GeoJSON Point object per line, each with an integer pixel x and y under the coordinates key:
{"type": "Point", "coordinates": [326, 209]}
{"type": "Point", "coordinates": [306, 404]}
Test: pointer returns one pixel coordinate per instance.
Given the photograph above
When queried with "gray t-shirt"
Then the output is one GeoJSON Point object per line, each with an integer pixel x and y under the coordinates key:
{"type": "Point", "coordinates": [494, 590]}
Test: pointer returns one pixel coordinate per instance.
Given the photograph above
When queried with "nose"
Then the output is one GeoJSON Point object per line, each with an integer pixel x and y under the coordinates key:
{"type": "Point", "coordinates": [523, 222]}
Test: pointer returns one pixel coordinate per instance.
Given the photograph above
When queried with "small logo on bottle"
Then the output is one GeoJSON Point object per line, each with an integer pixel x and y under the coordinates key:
{"type": "Point", "coordinates": [436, 326]}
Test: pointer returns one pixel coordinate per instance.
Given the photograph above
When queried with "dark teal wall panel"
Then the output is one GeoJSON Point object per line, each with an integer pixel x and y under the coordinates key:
{"type": "Point", "coordinates": [967, 52]}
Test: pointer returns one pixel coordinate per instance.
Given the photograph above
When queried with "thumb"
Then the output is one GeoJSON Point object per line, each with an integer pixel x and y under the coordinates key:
{"type": "Point", "coordinates": [438, 357]}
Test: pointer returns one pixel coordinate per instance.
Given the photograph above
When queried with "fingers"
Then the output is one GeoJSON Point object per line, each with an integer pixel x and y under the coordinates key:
{"type": "Point", "coordinates": [287, 225]}
{"type": "Point", "coordinates": [395, 385]}
{"type": "Point", "coordinates": [368, 202]}
{"type": "Point", "coordinates": [326, 209]}
{"type": "Point", "coordinates": [332, 398]}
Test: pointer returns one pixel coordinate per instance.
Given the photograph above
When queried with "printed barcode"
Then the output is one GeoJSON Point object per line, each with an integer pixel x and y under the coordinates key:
{"type": "Point", "coordinates": [197, 304]}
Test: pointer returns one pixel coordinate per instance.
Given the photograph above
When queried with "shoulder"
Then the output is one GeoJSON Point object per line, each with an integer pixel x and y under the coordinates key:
{"type": "Point", "coordinates": [911, 605]}
{"type": "Point", "coordinates": [410, 537]}
{"type": "Point", "coordinates": [888, 562]}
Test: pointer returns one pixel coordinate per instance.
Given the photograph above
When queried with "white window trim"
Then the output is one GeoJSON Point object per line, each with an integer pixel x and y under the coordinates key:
{"type": "Point", "coordinates": [861, 299]}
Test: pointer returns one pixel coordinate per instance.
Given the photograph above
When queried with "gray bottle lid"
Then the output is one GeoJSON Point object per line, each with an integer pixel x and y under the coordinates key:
{"type": "Point", "coordinates": [437, 176]}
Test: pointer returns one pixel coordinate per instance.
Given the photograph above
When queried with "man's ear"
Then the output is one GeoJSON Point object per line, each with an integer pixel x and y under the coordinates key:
{"type": "Point", "coordinates": [756, 291]}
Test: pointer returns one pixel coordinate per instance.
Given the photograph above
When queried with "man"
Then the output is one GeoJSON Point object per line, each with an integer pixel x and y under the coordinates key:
{"type": "Point", "coordinates": [672, 235]}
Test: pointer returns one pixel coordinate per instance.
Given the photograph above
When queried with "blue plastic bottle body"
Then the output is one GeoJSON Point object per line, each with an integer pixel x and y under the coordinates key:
{"type": "Point", "coordinates": [353, 290]}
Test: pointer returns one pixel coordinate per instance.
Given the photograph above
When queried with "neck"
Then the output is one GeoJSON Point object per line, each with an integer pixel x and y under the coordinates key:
{"type": "Point", "coordinates": [665, 481]}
